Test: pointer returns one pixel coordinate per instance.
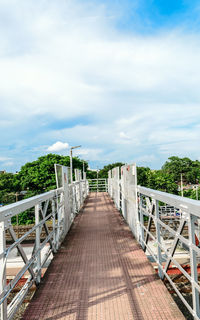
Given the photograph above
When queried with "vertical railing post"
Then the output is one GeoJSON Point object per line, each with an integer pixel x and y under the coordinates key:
{"type": "Point", "coordinates": [81, 193]}
{"type": "Point", "coordinates": [193, 264]}
{"type": "Point", "coordinates": [109, 182]}
{"type": "Point", "coordinates": [158, 237]}
{"type": "Point", "coordinates": [120, 196]}
{"type": "Point", "coordinates": [59, 219]}
{"type": "Point", "coordinates": [123, 207]}
{"type": "Point", "coordinates": [111, 185]}
{"type": "Point", "coordinates": [3, 306]}
{"type": "Point", "coordinates": [141, 222]}
{"type": "Point", "coordinates": [58, 222]}
{"type": "Point", "coordinates": [37, 243]}
{"type": "Point", "coordinates": [118, 188]}
{"type": "Point", "coordinates": [85, 185]}
{"type": "Point", "coordinates": [66, 218]}
{"type": "Point", "coordinates": [78, 196]}
{"type": "Point", "coordinates": [54, 224]}
{"type": "Point", "coordinates": [74, 198]}
{"type": "Point", "coordinates": [79, 189]}
{"type": "Point", "coordinates": [135, 194]}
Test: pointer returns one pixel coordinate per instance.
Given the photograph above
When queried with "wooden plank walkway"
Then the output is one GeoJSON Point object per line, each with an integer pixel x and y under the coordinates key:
{"type": "Point", "coordinates": [101, 273]}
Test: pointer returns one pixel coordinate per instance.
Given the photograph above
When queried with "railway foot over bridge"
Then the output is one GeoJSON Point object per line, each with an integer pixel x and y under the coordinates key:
{"type": "Point", "coordinates": [98, 245]}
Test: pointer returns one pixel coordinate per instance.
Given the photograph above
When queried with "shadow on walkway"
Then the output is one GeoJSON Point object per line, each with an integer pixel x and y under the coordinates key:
{"type": "Point", "coordinates": [100, 272]}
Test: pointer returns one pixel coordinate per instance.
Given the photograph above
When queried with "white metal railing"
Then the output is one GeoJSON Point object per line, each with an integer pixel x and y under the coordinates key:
{"type": "Point", "coordinates": [98, 185]}
{"type": "Point", "coordinates": [56, 208]}
{"type": "Point", "coordinates": [150, 214]}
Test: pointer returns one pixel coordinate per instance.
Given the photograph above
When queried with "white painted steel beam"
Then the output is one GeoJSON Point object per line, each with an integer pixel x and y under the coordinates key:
{"type": "Point", "coordinates": [185, 204]}
{"type": "Point", "coordinates": [13, 209]}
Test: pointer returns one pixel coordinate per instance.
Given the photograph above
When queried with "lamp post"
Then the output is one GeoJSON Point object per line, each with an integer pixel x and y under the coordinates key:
{"type": "Point", "coordinates": [71, 165]}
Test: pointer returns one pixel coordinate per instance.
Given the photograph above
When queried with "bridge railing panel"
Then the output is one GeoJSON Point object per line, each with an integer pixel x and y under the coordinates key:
{"type": "Point", "coordinates": [122, 187]}
{"type": "Point", "coordinates": [172, 239]}
{"type": "Point", "coordinates": [168, 228]}
{"type": "Point", "coordinates": [98, 185]}
{"type": "Point", "coordinates": [54, 212]}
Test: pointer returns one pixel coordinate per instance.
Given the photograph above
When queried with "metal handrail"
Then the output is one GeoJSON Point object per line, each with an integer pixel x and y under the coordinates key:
{"type": "Point", "coordinates": [13, 209]}
{"type": "Point", "coordinates": [136, 202]}
{"type": "Point", "coordinates": [98, 185]}
{"type": "Point", "coordinates": [58, 206]}
{"type": "Point", "coordinates": [185, 204]}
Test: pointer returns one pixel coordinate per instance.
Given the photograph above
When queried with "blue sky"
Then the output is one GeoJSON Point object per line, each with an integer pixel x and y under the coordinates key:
{"type": "Point", "coordinates": [121, 78]}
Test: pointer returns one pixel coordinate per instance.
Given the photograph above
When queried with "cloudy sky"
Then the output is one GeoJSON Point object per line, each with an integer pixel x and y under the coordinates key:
{"type": "Point", "coordinates": [119, 77]}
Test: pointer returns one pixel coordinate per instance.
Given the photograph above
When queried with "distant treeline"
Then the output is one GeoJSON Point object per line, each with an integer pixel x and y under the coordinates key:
{"type": "Point", "coordinates": [38, 177]}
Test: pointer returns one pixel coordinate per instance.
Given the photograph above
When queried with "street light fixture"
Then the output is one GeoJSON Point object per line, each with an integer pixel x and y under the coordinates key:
{"type": "Point", "coordinates": [71, 166]}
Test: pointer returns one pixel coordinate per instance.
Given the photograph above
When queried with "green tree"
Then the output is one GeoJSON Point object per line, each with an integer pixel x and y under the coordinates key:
{"type": "Point", "coordinates": [190, 169]}
{"type": "Point", "coordinates": [9, 185]}
{"type": "Point", "coordinates": [103, 173]}
{"type": "Point", "coordinates": [143, 176]}
{"type": "Point", "coordinates": [39, 175]}
{"type": "Point", "coordinates": [90, 174]}
{"type": "Point", "coordinates": [9, 182]}
{"type": "Point", "coordinates": [159, 180]}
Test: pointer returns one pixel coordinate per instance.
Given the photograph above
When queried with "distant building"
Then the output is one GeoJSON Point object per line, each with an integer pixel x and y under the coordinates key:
{"type": "Point", "coordinates": [2, 171]}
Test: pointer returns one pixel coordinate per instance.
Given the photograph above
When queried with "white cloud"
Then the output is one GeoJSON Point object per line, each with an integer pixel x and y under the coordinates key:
{"type": "Point", "coordinates": [123, 135]}
{"type": "Point", "coordinates": [58, 146]}
{"type": "Point", "coordinates": [140, 93]}
{"type": "Point", "coordinates": [4, 159]}
{"type": "Point", "coordinates": [147, 159]}
{"type": "Point", "coordinates": [8, 164]}
{"type": "Point", "coordinates": [81, 152]}
{"type": "Point", "coordinates": [91, 154]}
{"type": "Point", "coordinates": [94, 64]}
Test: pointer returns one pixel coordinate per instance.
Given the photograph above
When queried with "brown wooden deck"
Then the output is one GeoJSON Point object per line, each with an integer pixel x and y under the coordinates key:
{"type": "Point", "coordinates": [100, 272]}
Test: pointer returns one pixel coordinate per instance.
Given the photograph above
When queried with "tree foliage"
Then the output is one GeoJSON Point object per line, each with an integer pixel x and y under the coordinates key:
{"type": "Point", "coordinates": [103, 173]}
{"type": "Point", "coordinates": [143, 174]}
{"type": "Point", "coordinates": [39, 175]}
{"type": "Point", "coordinates": [156, 179]}
{"type": "Point", "coordinates": [9, 185]}
{"type": "Point", "coordinates": [9, 182]}
{"type": "Point", "coordinates": [91, 174]}
{"type": "Point", "coordinates": [34, 177]}
{"type": "Point", "coordinates": [190, 169]}
{"type": "Point", "coordinates": [162, 181]}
